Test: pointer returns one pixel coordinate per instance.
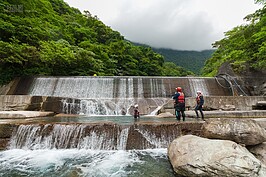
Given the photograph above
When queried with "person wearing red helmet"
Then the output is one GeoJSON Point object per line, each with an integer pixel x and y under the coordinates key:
{"type": "Point", "coordinates": [179, 104]}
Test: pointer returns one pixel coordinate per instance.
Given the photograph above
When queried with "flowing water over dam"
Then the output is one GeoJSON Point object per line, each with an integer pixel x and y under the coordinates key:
{"type": "Point", "coordinates": [91, 149]}
{"type": "Point", "coordinates": [101, 141]}
{"type": "Point", "coordinates": [122, 87]}
{"type": "Point", "coordinates": [115, 95]}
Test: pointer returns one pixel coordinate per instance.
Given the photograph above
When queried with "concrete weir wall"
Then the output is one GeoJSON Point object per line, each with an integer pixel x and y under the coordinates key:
{"type": "Point", "coordinates": [74, 95]}
{"type": "Point", "coordinates": [137, 136]}
{"type": "Point", "coordinates": [244, 103]}
{"type": "Point", "coordinates": [30, 103]}
{"type": "Point", "coordinates": [110, 95]}
{"type": "Point", "coordinates": [57, 105]}
{"type": "Point", "coordinates": [115, 87]}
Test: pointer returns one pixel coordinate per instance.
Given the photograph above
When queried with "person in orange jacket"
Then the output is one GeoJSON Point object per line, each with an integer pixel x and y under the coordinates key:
{"type": "Point", "coordinates": [179, 104]}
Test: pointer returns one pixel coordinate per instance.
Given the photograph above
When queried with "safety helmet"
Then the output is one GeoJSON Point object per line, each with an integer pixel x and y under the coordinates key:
{"type": "Point", "coordinates": [179, 89]}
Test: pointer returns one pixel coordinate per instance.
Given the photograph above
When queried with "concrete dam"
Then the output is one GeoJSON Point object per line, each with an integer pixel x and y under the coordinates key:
{"type": "Point", "coordinates": [99, 140]}
{"type": "Point", "coordinates": [108, 95]}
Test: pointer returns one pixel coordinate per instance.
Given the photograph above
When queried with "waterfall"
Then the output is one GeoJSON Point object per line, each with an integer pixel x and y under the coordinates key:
{"type": "Point", "coordinates": [140, 88]}
{"type": "Point", "coordinates": [157, 88]}
{"type": "Point", "coordinates": [91, 136]}
{"type": "Point", "coordinates": [156, 110]}
{"type": "Point", "coordinates": [71, 136]}
{"type": "Point", "coordinates": [73, 87]}
{"type": "Point", "coordinates": [91, 149]}
{"type": "Point", "coordinates": [198, 84]}
{"type": "Point", "coordinates": [122, 141]}
{"type": "Point", "coordinates": [116, 95]}
{"type": "Point", "coordinates": [98, 87]}
{"type": "Point", "coordinates": [157, 142]}
{"type": "Point", "coordinates": [99, 95]}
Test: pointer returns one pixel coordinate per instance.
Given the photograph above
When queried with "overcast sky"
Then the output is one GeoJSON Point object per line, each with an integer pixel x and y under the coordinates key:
{"type": "Point", "coordinates": [175, 24]}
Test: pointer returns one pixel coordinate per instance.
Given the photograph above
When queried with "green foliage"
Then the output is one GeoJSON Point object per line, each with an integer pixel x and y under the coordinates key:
{"type": "Point", "coordinates": [190, 60]}
{"type": "Point", "coordinates": [47, 37]}
{"type": "Point", "coordinates": [244, 47]}
{"type": "Point", "coordinates": [170, 69]}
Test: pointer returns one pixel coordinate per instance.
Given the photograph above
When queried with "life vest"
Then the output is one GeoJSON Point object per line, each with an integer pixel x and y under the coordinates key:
{"type": "Point", "coordinates": [181, 98]}
{"type": "Point", "coordinates": [198, 99]}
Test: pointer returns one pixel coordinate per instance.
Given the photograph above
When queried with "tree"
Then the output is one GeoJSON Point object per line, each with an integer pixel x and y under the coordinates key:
{"type": "Point", "coordinates": [244, 47]}
{"type": "Point", "coordinates": [170, 69]}
{"type": "Point", "coordinates": [47, 37]}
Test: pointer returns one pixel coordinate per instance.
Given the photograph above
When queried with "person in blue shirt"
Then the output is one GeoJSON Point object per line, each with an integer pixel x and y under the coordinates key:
{"type": "Point", "coordinates": [179, 104]}
{"type": "Point", "coordinates": [200, 102]}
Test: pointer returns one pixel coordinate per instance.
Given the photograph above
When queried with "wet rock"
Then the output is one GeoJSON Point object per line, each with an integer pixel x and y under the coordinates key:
{"type": "Point", "coordinates": [228, 107]}
{"type": "Point", "coordinates": [165, 115]}
{"type": "Point", "coordinates": [5, 134]}
{"type": "Point", "coordinates": [259, 151]}
{"type": "Point", "coordinates": [260, 105]}
{"type": "Point", "coordinates": [242, 131]}
{"type": "Point", "coordinates": [261, 122]}
{"type": "Point", "coordinates": [3, 144]}
{"type": "Point", "coordinates": [6, 130]}
{"type": "Point", "coordinates": [24, 114]}
{"type": "Point", "coordinates": [195, 156]}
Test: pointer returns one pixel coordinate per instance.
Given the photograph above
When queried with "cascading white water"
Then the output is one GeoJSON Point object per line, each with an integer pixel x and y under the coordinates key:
{"type": "Point", "coordinates": [99, 95]}
{"type": "Point", "coordinates": [125, 96]}
{"type": "Point", "coordinates": [43, 86]}
{"type": "Point", "coordinates": [114, 95]}
{"type": "Point", "coordinates": [140, 88]}
{"type": "Point", "coordinates": [157, 142]}
{"type": "Point", "coordinates": [66, 136]}
{"type": "Point", "coordinates": [84, 136]}
{"type": "Point", "coordinates": [122, 141]}
{"type": "Point", "coordinates": [40, 150]}
{"type": "Point", "coordinates": [198, 84]}
{"type": "Point", "coordinates": [73, 87]}
{"type": "Point", "coordinates": [157, 88]}
{"type": "Point", "coordinates": [38, 137]}
{"type": "Point", "coordinates": [79, 150]}
{"type": "Point", "coordinates": [84, 162]}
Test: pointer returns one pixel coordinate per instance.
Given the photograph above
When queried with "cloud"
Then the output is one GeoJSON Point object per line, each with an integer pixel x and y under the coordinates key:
{"type": "Point", "coordinates": [175, 24]}
{"type": "Point", "coordinates": [171, 25]}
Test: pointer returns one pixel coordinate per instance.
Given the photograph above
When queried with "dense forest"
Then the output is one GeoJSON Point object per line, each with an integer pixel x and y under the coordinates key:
{"type": "Point", "coordinates": [48, 37]}
{"type": "Point", "coordinates": [244, 47]}
{"type": "Point", "coordinates": [190, 60]}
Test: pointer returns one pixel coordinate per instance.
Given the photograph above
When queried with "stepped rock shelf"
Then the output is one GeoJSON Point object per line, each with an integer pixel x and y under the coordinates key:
{"type": "Point", "coordinates": [62, 135]}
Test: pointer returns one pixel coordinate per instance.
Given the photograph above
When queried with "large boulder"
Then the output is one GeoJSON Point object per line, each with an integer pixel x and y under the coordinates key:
{"type": "Point", "coordinates": [259, 151]}
{"type": "Point", "coordinates": [242, 131]}
{"type": "Point", "coordinates": [195, 156]}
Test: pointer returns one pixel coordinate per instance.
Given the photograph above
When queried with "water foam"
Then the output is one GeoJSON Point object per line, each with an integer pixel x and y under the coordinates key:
{"type": "Point", "coordinates": [83, 162]}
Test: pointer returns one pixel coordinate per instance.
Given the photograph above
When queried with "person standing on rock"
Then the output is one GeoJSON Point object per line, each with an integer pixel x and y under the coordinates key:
{"type": "Point", "coordinates": [179, 104]}
{"type": "Point", "coordinates": [200, 102]}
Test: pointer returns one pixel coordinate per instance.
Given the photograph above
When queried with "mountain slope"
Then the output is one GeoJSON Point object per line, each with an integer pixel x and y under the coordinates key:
{"type": "Point", "coordinates": [190, 60]}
